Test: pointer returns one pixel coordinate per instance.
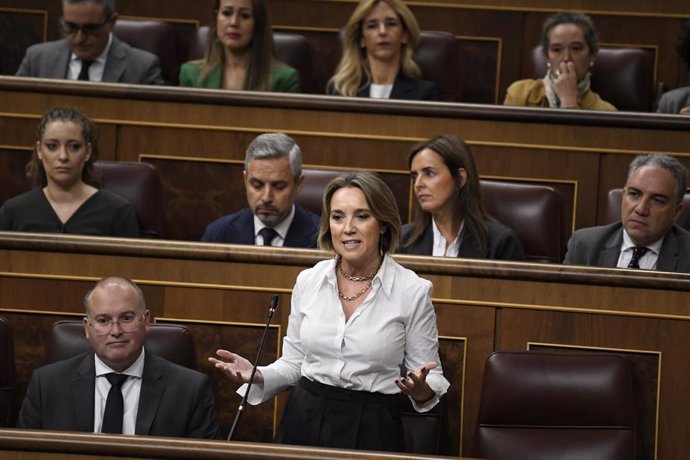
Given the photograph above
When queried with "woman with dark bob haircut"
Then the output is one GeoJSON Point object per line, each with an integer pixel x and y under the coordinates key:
{"type": "Point", "coordinates": [570, 45]}
{"type": "Point", "coordinates": [449, 218]}
{"type": "Point", "coordinates": [66, 198]}
{"type": "Point", "coordinates": [346, 384]}
{"type": "Point", "coordinates": [239, 52]}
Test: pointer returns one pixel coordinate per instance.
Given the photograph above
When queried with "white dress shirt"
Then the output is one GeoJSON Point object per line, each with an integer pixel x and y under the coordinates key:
{"type": "Point", "coordinates": [394, 327]}
{"type": "Point", "coordinates": [380, 91]}
{"type": "Point", "coordinates": [97, 66]}
{"type": "Point", "coordinates": [440, 249]}
{"type": "Point", "coordinates": [281, 229]}
{"type": "Point", "coordinates": [131, 390]}
{"type": "Point", "coordinates": [647, 261]}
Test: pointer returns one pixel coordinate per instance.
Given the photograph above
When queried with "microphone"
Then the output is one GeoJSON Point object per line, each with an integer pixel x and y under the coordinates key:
{"type": "Point", "coordinates": [271, 310]}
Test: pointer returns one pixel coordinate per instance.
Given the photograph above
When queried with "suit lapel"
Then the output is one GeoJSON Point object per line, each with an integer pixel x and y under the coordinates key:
{"type": "Point", "coordinates": [243, 227]}
{"type": "Point", "coordinates": [116, 62]}
{"type": "Point", "coordinates": [401, 87]}
{"type": "Point", "coordinates": [608, 257]}
{"type": "Point", "coordinates": [668, 254]}
{"type": "Point", "coordinates": [152, 387]}
{"type": "Point", "coordinates": [425, 245]}
{"type": "Point", "coordinates": [58, 63]}
{"type": "Point", "coordinates": [299, 235]}
{"type": "Point", "coordinates": [83, 394]}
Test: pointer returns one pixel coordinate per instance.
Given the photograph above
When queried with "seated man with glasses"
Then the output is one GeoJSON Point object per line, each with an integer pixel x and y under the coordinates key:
{"type": "Point", "coordinates": [119, 387]}
{"type": "Point", "coordinates": [90, 51]}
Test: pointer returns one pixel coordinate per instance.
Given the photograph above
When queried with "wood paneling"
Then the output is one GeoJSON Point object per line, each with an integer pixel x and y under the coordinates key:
{"type": "Point", "coordinates": [221, 292]}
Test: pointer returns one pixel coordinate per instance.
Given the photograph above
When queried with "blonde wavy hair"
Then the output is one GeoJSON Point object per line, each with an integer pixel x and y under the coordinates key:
{"type": "Point", "coordinates": [353, 66]}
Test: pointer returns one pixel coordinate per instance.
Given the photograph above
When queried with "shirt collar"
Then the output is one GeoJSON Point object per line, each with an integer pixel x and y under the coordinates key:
{"type": "Point", "coordinates": [282, 228]}
{"type": "Point", "coordinates": [101, 57]}
{"type": "Point", "coordinates": [628, 244]}
{"type": "Point", "coordinates": [135, 370]}
{"type": "Point", "coordinates": [454, 248]}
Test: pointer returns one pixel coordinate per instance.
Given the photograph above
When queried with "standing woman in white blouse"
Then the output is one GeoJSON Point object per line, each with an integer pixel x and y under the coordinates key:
{"type": "Point", "coordinates": [361, 330]}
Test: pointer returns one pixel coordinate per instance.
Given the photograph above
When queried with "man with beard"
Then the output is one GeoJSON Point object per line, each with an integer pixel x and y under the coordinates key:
{"type": "Point", "coordinates": [272, 178]}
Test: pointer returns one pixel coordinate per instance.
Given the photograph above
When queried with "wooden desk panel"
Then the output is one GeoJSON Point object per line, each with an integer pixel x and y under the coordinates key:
{"type": "Point", "coordinates": [222, 290]}
{"type": "Point", "coordinates": [36, 445]}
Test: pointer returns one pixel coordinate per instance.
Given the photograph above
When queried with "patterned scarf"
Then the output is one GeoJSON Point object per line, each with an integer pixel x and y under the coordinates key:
{"type": "Point", "coordinates": [554, 101]}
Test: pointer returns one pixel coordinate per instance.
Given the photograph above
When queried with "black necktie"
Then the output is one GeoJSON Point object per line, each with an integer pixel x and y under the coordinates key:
{"type": "Point", "coordinates": [638, 252]}
{"type": "Point", "coordinates": [84, 72]}
{"type": "Point", "coordinates": [268, 234]}
{"type": "Point", "coordinates": [114, 405]}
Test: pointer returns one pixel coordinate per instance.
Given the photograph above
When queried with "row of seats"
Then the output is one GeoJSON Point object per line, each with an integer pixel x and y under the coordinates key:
{"type": "Point", "coordinates": [622, 76]}
{"type": "Point", "coordinates": [534, 211]}
{"type": "Point", "coordinates": [540, 405]}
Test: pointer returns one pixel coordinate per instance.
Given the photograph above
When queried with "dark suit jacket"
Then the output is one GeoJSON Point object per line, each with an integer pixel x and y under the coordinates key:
{"type": "Point", "coordinates": [407, 88]}
{"type": "Point", "coordinates": [674, 100]}
{"type": "Point", "coordinates": [174, 401]}
{"type": "Point", "coordinates": [124, 64]}
{"type": "Point", "coordinates": [504, 243]}
{"type": "Point", "coordinates": [238, 228]}
{"type": "Point", "coordinates": [601, 247]}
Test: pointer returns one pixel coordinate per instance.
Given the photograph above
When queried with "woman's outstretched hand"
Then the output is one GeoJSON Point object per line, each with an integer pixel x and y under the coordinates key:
{"type": "Point", "coordinates": [414, 384]}
{"type": "Point", "coordinates": [235, 367]}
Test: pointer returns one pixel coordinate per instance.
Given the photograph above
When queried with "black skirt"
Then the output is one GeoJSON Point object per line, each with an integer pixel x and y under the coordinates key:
{"type": "Point", "coordinates": [326, 416]}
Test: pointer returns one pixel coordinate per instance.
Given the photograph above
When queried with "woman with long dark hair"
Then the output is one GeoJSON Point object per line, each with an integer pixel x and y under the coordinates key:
{"type": "Point", "coordinates": [239, 53]}
{"type": "Point", "coordinates": [449, 218]}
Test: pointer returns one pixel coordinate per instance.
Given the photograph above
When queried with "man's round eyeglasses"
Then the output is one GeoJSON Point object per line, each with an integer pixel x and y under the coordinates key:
{"type": "Point", "coordinates": [104, 324]}
{"type": "Point", "coordinates": [71, 28]}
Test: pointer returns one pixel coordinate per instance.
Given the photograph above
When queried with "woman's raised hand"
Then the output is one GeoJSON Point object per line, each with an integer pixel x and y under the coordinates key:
{"type": "Point", "coordinates": [235, 367]}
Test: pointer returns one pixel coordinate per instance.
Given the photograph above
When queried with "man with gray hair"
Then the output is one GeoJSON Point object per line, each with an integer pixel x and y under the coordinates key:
{"type": "Point", "coordinates": [90, 51]}
{"type": "Point", "coordinates": [646, 236]}
{"type": "Point", "coordinates": [272, 179]}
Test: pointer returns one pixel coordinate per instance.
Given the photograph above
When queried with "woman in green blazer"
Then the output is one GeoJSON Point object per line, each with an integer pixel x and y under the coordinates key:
{"type": "Point", "coordinates": [239, 53]}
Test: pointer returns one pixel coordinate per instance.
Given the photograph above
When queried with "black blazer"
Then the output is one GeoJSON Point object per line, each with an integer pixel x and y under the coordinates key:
{"type": "Point", "coordinates": [601, 247]}
{"type": "Point", "coordinates": [503, 243]}
{"type": "Point", "coordinates": [238, 228]}
{"type": "Point", "coordinates": [174, 400]}
{"type": "Point", "coordinates": [407, 88]}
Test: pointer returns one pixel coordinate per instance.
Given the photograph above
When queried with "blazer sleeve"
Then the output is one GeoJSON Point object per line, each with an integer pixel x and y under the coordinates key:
{"type": "Point", "coordinates": [30, 412]}
{"type": "Point", "coordinates": [203, 421]}
{"type": "Point", "coordinates": [189, 74]}
{"type": "Point", "coordinates": [125, 223]}
{"type": "Point", "coordinates": [25, 67]}
{"type": "Point", "coordinates": [433, 93]}
{"type": "Point", "coordinates": [285, 80]}
{"type": "Point", "coordinates": [508, 246]}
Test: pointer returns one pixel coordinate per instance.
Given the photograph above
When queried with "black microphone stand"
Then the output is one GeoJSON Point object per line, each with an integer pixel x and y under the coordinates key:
{"type": "Point", "coordinates": [271, 310]}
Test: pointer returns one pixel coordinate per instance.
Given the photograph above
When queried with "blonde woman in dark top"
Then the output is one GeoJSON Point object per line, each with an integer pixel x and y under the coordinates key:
{"type": "Point", "coordinates": [378, 55]}
{"type": "Point", "coordinates": [66, 198]}
{"type": "Point", "coordinates": [239, 53]}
